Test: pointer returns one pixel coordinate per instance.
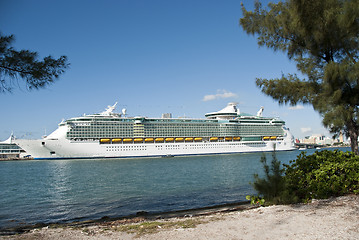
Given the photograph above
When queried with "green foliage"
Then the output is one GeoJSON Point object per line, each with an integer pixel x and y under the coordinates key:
{"type": "Point", "coordinates": [256, 200]}
{"type": "Point", "coordinates": [320, 175]}
{"type": "Point", "coordinates": [24, 65]}
{"type": "Point", "coordinates": [152, 227]}
{"type": "Point", "coordinates": [323, 174]}
{"type": "Point", "coordinates": [322, 37]}
{"type": "Point", "coordinates": [273, 183]}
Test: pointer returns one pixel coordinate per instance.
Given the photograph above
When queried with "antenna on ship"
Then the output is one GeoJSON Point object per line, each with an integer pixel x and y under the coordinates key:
{"type": "Point", "coordinates": [124, 110]}
{"type": "Point", "coordinates": [44, 136]}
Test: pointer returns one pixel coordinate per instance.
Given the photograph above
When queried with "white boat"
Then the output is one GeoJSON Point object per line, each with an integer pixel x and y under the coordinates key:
{"type": "Point", "coordinates": [114, 135]}
{"type": "Point", "coordinates": [9, 150]}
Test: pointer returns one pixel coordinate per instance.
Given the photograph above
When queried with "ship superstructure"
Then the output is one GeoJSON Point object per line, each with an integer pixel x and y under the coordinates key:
{"type": "Point", "coordinates": [114, 135]}
{"type": "Point", "coordinates": [9, 150]}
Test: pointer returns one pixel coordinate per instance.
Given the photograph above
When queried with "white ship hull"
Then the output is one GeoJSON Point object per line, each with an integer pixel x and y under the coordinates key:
{"type": "Point", "coordinates": [65, 149]}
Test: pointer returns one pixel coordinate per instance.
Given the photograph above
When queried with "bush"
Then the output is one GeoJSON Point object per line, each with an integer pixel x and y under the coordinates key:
{"type": "Point", "coordinates": [320, 175]}
{"type": "Point", "coordinates": [272, 185]}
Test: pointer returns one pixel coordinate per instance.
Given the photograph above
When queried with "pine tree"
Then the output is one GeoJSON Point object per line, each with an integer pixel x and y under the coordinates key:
{"type": "Point", "coordinates": [322, 37]}
{"type": "Point", "coordinates": [23, 64]}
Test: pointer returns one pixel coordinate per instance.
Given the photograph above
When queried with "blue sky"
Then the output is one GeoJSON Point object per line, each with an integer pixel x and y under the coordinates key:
{"type": "Point", "coordinates": [152, 57]}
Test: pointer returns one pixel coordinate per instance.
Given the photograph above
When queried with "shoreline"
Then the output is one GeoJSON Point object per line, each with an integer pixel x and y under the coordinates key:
{"type": "Point", "coordinates": [334, 218]}
{"type": "Point", "coordinates": [146, 216]}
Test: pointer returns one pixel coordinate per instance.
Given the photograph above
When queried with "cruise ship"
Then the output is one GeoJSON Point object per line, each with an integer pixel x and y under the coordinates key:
{"type": "Point", "coordinates": [115, 135]}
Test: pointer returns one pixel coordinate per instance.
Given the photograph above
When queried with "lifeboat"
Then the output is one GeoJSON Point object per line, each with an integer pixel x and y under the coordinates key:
{"type": "Point", "coordinates": [236, 138]}
{"type": "Point", "coordinates": [189, 139]}
{"type": "Point", "coordinates": [198, 139]}
{"type": "Point", "coordinates": [273, 137]}
{"type": "Point", "coordinates": [138, 140]}
{"type": "Point", "coordinates": [179, 139]}
{"type": "Point", "coordinates": [149, 139]}
{"type": "Point", "coordinates": [228, 138]}
{"type": "Point", "coordinates": [105, 140]}
{"type": "Point", "coordinates": [159, 139]}
{"type": "Point", "coordinates": [169, 139]}
{"type": "Point", "coordinates": [266, 138]}
{"type": "Point", "coordinates": [116, 140]}
{"type": "Point", "coordinates": [127, 140]}
{"type": "Point", "coordinates": [213, 139]}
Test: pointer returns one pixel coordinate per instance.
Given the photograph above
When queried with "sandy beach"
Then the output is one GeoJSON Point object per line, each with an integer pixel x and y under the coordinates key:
{"type": "Point", "coordinates": [335, 218]}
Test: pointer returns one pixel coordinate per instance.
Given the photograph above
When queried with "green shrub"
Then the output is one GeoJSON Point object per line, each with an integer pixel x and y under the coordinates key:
{"type": "Point", "coordinates": [322, 175]}
{"type": "Point", "coordinates": [272, 185]}
{"type": "Point", "coordinates": [255, 200]}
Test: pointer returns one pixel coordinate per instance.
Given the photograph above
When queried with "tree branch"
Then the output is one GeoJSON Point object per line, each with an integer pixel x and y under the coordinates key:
{"type": "Point", "coordinates": [15, 70]}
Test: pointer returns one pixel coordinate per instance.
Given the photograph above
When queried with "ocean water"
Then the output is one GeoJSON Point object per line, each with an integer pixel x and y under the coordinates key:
{"type": "Point", "coordinates": [72, 190]}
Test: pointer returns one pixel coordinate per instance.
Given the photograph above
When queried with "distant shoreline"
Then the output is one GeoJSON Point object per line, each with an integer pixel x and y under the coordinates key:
{"type": "Point", "coordinates": [15, 159]}
{"type": "Point", "coordinates": [297, 148]}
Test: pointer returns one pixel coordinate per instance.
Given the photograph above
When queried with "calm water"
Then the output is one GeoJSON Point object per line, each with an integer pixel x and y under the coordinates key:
{"type": "Point", "coordinates": [71, 190]}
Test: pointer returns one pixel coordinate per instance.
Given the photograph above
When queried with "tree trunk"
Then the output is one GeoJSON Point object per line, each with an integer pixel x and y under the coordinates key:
{"type": "Point", "coordinates": [353, 135]}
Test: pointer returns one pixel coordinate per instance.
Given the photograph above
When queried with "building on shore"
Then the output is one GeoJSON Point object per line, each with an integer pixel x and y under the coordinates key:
{"type": "Point", "coordinates": [319, 139]}
{"type": "Point", "coordinates": [9, 150]}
